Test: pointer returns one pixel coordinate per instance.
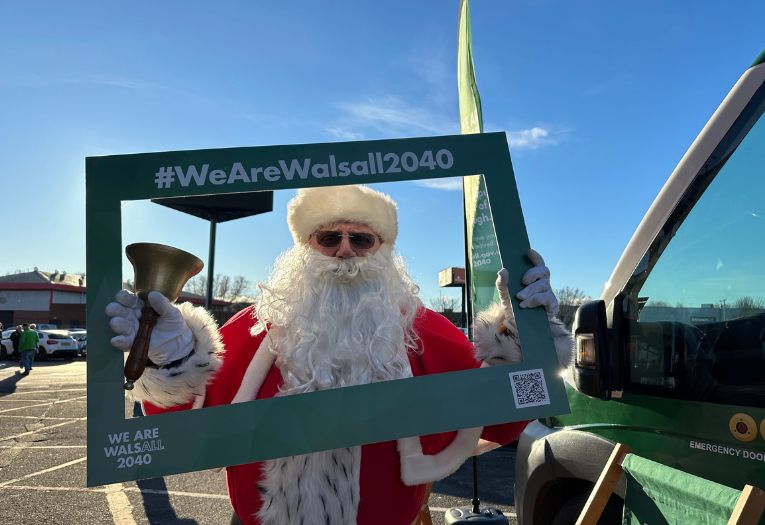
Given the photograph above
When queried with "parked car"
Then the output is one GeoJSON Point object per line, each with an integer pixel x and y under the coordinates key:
{"type": "Point", "coordinates": [56, 343]}
{"type": "Point", "coordinates": [6, 346]}
{"type": "Point", "coordinates": [670, 360]}
{"type": "Point", "coordinates": [81, 336]}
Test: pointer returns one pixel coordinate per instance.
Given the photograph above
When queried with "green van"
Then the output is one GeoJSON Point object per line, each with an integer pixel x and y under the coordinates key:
{"type": "Point", "coordinates": [671, 359]}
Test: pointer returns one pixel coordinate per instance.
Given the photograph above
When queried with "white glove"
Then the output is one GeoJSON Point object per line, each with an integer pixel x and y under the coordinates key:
{"type": "Point", "coordinates": [538, 291]}
{"type": "Point", "coordinates": [171, 338]}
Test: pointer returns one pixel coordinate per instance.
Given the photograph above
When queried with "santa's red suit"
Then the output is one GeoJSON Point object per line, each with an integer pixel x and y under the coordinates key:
{"type": "Point", "coordinates": [393, 475]}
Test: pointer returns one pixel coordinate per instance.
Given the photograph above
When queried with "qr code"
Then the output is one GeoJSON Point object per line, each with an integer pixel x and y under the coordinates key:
{"type": "Point", "coordinates": [529, 388]}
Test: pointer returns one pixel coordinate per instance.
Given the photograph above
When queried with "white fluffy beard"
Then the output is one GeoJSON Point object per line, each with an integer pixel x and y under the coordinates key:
{"type": "Point", "coordinates": [342, 322]}
{"type": "Point", "coordinates": [339, 323]}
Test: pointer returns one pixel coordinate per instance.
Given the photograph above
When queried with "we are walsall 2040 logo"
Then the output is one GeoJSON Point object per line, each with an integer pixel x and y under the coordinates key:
{"type": "Point", "coordinates": [129, 450]}
{"type": "Point", "coordinates": [375, 163]}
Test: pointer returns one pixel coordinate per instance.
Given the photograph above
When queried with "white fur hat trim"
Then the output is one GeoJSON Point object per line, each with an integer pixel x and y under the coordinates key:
{"type": "Point", "coordinates": [313, 208]}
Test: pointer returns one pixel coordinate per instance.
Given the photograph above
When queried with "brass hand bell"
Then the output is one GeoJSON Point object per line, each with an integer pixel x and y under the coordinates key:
{"type": "Point", "coordinates": [163, 269]}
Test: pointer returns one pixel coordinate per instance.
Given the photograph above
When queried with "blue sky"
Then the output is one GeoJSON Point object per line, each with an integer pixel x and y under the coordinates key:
{"type": "Point", "coordinates": [599, 99]}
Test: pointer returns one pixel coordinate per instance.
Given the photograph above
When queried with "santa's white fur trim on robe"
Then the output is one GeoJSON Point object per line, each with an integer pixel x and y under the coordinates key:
{"type": "Point", "coordinates": [169, 386]}
{"type": "Point", "coordinates": [323, 487]}
{"type": "Point", "coordinates": [495, 348]}
{"type": "Point", "coordinates": [313, 208]}
{"type": "Point", "coordinates": [256, 372]}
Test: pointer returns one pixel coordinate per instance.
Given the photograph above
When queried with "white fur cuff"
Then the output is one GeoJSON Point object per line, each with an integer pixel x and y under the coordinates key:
{"type": "Point", "coordinates": [166, 387]}
{"type": "Point", "coordinates": [418, 468]}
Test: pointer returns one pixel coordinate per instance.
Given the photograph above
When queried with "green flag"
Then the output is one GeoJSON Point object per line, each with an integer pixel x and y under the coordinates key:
{"type": "Point", "coordinates": [482, 251]}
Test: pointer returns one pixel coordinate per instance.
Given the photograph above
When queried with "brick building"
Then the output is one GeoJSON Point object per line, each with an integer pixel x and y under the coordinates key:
{"type": "Point", "coordinates": [59, 298]}
{"type": "Point", "coordinates": [43, 297]}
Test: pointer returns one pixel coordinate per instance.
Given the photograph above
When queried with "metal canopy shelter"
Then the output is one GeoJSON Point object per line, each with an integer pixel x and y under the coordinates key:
{"type": "Point", "coordinates": [220, 208]}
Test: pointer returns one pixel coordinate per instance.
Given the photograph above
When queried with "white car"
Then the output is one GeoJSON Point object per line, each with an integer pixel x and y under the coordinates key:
{"type": "Point", "coordinates": [81, 336]}
{"type": "Point", "coordinates": [6, 346]}
{"type": "Point", "coordinates": [56, 343]}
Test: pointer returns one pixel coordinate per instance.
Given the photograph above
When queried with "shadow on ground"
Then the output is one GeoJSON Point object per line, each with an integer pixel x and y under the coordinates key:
{"type": "Point", "coordinates": [156, 501]}
{"type": "Point", "coordinates": [496, 477]}
{"type": "Point", "coordinates": [8, 385]}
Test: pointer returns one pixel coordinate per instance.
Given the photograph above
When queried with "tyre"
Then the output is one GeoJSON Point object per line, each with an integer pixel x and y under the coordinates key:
{"type": "Point", "coordinates": [3, 353]}
{"type": "Point", "coordinates": [570, 510]}
{"type": "Point", "coordinates": [42, 355]}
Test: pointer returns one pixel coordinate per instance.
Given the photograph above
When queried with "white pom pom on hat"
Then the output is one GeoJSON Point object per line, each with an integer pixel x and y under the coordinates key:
{"type": "Point", "coordinates": [313, 208]}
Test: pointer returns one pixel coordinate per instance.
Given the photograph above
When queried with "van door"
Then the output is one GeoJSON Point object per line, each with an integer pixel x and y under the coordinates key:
{"type": "Point", "coordinates": [691, 321]}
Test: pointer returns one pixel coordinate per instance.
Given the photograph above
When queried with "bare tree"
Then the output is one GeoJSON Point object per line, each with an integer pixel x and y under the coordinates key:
{"type": "Point", "coordinates": [444, 303]}
{"type": "Point", "coordinates": [659, 303]}
{"type": "Point", "coordinates": [239, 287]}
{"type": "Point", "coordinates": [197, 285]}
{"type": "Point", "coordinates": [221, 286]}
{"type": "Point", "coordinates": [748, 305]}
{"type": "Point", "coordinates": [571, 296]}
{"type": "Point", "coordinates": [225, 287]}
{"type": "Point", "coordinates": [569, 299]}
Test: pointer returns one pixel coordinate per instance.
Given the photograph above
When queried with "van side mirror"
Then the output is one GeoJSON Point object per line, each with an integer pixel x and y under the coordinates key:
{"type": "Point", "coordinates": [592, 363]}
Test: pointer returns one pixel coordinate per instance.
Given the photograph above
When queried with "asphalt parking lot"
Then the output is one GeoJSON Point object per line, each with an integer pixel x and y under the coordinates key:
{"type": "Point", "coordinates": [43, 459]}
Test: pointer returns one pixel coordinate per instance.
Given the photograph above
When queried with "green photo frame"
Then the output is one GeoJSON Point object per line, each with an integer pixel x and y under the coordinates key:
{"type": "Point", "coordinates": [121, 449]}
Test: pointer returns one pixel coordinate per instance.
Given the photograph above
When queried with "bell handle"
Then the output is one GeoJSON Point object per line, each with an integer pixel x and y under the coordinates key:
{"type": "Point", "coordinates": [139, 351]}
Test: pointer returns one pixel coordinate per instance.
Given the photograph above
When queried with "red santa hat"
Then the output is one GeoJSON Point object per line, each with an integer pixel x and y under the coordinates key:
{"type": "Point", "coordinates": [313, 208]}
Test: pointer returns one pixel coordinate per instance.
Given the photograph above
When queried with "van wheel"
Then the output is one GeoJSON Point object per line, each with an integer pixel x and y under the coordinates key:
{"type": "Point", "coordinates": [3, 353]}
{"type": "Point", "coordinates": [42, 355]}
{"type": "Point", "coordinates": [570, 510]}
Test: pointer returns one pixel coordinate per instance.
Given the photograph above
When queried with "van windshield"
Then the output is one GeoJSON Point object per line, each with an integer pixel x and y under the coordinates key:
{"type": "Point", "coordinates": [700, 331]}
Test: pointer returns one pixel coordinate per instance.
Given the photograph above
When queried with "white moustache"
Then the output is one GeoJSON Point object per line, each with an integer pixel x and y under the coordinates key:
{"type": "Point", "coordinates": [346, 269]}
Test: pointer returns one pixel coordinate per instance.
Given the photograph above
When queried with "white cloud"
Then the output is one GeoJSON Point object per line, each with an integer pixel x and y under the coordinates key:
{"type": "Point", "coordinates": [346, 134]}
{"type": "Point", "coordinates": [124, 83]}
{"type": "Point", "coordinates": [388, 117]}
{"type": "Point", "coordinates": [450, 184]}
{"type": "Point", "coordinates": [37, 81]}
{"type": "Point", "coordinates": [530, 138]}
{"type": "Point", "coordinates": [391, 117]}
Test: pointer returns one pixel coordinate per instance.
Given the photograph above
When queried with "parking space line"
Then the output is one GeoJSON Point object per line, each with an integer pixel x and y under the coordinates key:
{"type": "Point", "coordinates": [35, 431]}
{"type": "Point", "coordinates": [107, 490]}
{"type": "Point", "coordinates": [176, 493]}
{"type": "Point", "coordinates": [49, 403]}
{"type": "Point", "coordinates": [40, 472]}
{"type": "Point", "coordinates": [40, 418]}
{"type": "Point", "coordinates": [44, 446]}
{"type": "Point", "coordinates": [119, 505]}
{"type": "Point", "coordinates": [78, 398]}
{"type": "Point", "coordinates": [18, 391]}
{"type": "Point", "coordinates": [26, 400]}
{"type": "Point", "coordinates": [52, 489]}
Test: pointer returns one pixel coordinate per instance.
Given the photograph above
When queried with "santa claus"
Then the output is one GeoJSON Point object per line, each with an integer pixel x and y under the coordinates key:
{"type": "Point", "coordinates": [338, 310]}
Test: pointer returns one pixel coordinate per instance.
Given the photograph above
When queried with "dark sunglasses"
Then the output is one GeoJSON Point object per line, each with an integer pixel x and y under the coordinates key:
{"type": "Point", "coordinates": [332, 239]}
